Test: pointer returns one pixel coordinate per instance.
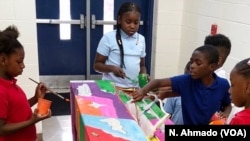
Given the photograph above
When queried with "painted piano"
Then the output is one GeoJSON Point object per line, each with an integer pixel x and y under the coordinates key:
{"type": "Point", "coordinates": [100, 112]}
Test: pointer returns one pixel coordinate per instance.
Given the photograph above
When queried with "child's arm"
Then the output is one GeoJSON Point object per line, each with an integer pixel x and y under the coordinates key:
{"type": "Point", "coordinates": [9, 128]}
{"type": "Point", "coordinates": [166, 92]}
{"type": "Point", "coordinates": [101, 67]}
{"type": "Point", "coordinates": [143, 69]}
{"type": "Point", "coordinates": [226, 111]}
{"type": "Point", "coordinates": [39, 93]}
{"type": "Point", "coordinates": [153, 84]}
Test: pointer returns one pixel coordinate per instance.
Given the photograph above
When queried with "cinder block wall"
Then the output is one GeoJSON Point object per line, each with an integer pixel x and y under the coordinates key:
{"type": "Point", "coordinates": [13, 12]}
{"type": "Point", "coordinates": [181, 26]}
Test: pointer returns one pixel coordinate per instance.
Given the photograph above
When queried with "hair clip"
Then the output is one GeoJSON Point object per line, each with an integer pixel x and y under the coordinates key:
{"type": "Point", "coordinates": [119, 41]}
{"type": "Point", "coordinates": [248, 62]}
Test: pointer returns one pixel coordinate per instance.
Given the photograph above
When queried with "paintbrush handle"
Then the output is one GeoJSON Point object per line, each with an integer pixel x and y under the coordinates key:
{"type": "Point", "coordinates": [34, 80]}
{"type": "Point", "coordinates": [55, 93]}
{"type": "Point", "coordinates": [48, 89]}
{"type": "Point", "coordinates": [128, 77]}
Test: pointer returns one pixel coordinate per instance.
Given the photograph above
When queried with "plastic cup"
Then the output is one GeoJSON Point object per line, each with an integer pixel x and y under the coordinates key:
{"type": "Point", "coordinates": [143, 79]}
{"type": "Point", "coordinates": [43, 106]}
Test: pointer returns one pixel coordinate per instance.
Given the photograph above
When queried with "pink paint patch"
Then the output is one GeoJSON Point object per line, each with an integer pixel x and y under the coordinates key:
{"type": "Point", "coordinates": [169, 122]}
{"type": "Point", "coordinates": [160, 134]}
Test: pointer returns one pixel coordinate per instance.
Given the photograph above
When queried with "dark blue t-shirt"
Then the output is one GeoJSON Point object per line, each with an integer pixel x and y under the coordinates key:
{"type": "Point", "coordinates": [200, 102]}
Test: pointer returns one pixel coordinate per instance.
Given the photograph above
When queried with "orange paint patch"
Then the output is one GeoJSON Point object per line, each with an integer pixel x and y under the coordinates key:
{"type": "Point", "coordinates": [86, 108]}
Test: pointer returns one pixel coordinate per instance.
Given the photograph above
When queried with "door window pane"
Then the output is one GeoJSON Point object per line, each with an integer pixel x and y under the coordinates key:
{"type": "Point", "coordinates": [65, 31]}
{"type": "Point", "coordinates": [108, 15]}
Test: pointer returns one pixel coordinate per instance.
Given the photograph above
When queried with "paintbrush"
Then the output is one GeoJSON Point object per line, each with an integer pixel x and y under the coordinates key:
{"type": "Point", "coordinates": [132, 80]}
{"type": "Point", "coordinates": [55, 93]}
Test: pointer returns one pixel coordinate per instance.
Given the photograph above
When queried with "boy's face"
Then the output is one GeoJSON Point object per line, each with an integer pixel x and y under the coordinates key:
{"type": "Point", "coordinates": [199, 65]}
{"type": "Point", "coordinates": [239, 88]}
{"type": "Point", "coordinates": [130, 22]}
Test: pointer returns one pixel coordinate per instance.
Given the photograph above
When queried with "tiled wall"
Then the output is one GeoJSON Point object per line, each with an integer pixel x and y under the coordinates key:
{"type": "Point", "coordinates": [22, 14]}
{"type": "Point", "coordinates": [182, 25]}
{"type": "Point", "coordinates": [232, 18]}
{"type": "Point", "coordinates": [12, 12]}
{"type": "Point", "coordinates": [167, 36]}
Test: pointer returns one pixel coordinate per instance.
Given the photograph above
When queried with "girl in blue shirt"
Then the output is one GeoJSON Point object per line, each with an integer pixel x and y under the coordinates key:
{"type": "Point", "coordinates": [121, 53]}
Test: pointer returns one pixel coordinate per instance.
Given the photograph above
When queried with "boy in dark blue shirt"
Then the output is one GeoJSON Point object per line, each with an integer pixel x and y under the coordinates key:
{"type": "Point", "coordinates": [202, 91]}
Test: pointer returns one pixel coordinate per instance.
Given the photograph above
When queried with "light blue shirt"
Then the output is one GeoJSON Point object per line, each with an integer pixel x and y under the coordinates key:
{"type": "Point", "coordinates": [134, 50]}
{"type": "Point", "coordinates": [173, 107]}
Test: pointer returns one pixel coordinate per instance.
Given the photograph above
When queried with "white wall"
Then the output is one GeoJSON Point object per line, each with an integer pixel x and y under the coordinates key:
{"type": "Point", "coordinates": [233, 19]}
{"type": "Point", "coordinates": [167, 37]}
{"type": "Point", "coordinates": [182, 25]}
{"type": "Point", "coordinates": [13, 12]}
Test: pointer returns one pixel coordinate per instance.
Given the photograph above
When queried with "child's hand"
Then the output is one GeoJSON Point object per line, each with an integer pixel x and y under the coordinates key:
{"type": "Point", "coordinates": [40, 90]}
{"type": "Point", "coordinates": [118, 72]}
{"type": "Point", "coordinates": [137, 96]}
{"type": "Point", "coordinates": [222, 114]}
{"type": "Point", "coordinates": [37, 117]}
{"type": "Point", "coordinates": [218, 119]}
{"type": "Point", "coordinates": [151, 97]}
{"type": "Point", "coordinates": [148, 78]}
{"type": "Point", "coordinates": [218, 115]}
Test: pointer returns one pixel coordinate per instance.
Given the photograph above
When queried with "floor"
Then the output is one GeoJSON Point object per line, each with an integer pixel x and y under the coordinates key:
{"type": "Point", "coordinates": [57, 128]}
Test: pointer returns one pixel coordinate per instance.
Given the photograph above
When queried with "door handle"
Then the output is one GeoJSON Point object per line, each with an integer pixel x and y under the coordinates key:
{"type": "Point", "coordinates": [81, 21]}
{"type": "Point", "coordinates": [95, 22]}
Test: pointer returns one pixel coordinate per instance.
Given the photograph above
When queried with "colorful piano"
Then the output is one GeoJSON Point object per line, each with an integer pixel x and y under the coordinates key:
{"type": "Point", "coordinates": [101, 112]}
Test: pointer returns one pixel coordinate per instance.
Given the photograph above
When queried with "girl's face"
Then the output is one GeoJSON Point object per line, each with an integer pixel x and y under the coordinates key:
{"type": "Point", "coordinates": [239, 88]}
{"type": "Point", "coordinates": [199, 65]}
{"type": "Point", "coordinates": [130, 22]}
{"type": "Point", "coordinates": [14, 64]}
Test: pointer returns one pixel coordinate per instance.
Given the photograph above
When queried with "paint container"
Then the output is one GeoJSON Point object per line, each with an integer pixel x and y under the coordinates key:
{"type": "Point", "coordinates": [143, 80]}
{"type": "Point", "coordinates": [43, 106]}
